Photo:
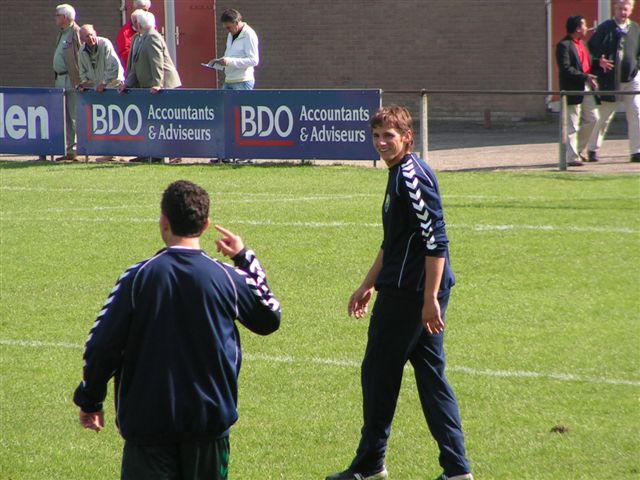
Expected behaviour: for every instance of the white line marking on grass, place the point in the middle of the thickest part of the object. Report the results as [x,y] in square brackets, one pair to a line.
[39,344]
[477,228]
[65,210]
[561,377]
[280,199]
[74,190]
[62,220]
[545,228]
[262,195]
[305,224]
[320,196]
[340,224]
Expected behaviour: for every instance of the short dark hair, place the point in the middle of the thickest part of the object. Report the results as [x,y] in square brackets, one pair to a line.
[186,206]
[573,23]
[231,15]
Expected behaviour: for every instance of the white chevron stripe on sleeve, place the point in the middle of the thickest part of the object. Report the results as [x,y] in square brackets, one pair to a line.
[256,279]
[418,204]
[424,216]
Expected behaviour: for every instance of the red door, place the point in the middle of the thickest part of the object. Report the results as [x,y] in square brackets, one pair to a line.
[196,42]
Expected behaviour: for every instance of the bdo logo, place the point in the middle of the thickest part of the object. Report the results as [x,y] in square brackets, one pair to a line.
[114,122]
[262,121]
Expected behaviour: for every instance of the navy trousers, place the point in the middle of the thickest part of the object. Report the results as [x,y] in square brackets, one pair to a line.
[397,335]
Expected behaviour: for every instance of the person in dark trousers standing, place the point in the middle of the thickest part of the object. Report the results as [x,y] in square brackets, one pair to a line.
[167,334]
[413,277]
[574,70]
[616,46]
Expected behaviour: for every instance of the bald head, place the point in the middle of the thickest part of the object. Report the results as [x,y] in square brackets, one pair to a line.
[88,35]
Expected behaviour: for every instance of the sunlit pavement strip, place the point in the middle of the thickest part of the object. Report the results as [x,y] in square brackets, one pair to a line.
[561,377]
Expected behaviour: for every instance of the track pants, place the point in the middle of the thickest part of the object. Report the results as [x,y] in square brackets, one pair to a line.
[396,335]
[201,460]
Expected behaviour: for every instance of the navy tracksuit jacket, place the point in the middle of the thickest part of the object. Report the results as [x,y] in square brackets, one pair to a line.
[167,333]
[413,223]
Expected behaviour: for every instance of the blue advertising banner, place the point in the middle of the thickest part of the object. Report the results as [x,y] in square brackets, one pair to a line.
[32,121]
[300,124]
[175,123]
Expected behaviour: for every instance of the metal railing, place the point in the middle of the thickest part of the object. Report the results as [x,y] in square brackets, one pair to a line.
[563,94]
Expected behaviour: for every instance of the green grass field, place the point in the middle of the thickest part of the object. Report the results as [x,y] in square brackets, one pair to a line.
[542,327]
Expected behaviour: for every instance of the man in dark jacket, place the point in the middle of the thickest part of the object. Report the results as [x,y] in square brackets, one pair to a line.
[413,277]
[574,68]
[167,334]
[616,46]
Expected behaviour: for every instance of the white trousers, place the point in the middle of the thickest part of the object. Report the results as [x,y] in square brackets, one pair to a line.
[607,109]
[578,135]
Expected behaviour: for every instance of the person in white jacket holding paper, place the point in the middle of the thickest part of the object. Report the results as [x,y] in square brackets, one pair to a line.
[241,54]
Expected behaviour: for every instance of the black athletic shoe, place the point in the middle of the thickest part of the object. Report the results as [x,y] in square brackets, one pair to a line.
[351,475]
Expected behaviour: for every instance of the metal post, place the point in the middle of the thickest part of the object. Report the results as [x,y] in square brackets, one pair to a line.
[170,29]
[424,127]
[562,151]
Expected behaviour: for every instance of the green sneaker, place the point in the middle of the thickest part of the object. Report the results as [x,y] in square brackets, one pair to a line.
[348,474]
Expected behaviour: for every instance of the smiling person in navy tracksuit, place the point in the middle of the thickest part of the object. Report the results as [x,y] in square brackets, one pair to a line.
[167,334]
[413,278]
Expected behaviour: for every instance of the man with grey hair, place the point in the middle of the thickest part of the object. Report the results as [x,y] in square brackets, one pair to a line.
[151,67]
[128,31]
[135,40]
[616,47]
[99,65]
[67,75]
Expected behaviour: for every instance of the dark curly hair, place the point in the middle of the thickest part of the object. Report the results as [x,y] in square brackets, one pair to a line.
[573,23]
[186,206]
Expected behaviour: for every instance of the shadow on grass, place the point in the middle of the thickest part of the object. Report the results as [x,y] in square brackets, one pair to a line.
[14,164]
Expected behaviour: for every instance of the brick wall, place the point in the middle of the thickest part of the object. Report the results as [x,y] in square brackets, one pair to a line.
[387,44]
[405,45]
[28,33]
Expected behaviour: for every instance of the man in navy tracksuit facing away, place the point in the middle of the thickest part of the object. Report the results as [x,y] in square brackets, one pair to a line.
[413,278]
[167,334]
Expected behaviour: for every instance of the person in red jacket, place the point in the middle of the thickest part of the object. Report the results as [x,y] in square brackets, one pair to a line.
[127,32]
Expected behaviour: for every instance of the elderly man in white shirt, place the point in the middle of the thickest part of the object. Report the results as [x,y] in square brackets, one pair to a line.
[99,64]
[241,54]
